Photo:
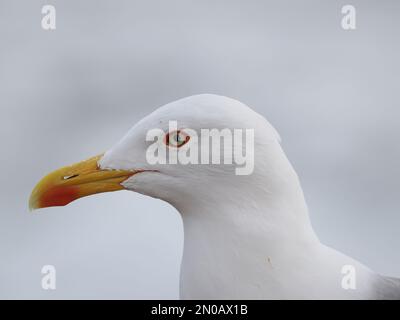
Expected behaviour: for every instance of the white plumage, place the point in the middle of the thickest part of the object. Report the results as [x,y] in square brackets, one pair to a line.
[245,237]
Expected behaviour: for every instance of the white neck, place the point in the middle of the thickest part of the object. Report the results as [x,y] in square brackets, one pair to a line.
[256,245]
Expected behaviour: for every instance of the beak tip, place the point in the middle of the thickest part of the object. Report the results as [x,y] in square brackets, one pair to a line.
[32,205]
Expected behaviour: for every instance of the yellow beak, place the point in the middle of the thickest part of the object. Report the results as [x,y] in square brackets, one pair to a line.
[76,181]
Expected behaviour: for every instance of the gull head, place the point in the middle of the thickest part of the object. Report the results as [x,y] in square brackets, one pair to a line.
[200,148]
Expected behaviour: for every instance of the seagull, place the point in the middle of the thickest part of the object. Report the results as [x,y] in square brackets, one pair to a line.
[245,236]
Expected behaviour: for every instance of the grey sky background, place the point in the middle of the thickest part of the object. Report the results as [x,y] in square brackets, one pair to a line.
[71,93]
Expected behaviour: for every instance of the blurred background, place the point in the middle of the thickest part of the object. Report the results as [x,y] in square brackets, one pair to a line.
[71,93]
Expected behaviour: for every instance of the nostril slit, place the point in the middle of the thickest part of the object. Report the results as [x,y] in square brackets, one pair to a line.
[70,176]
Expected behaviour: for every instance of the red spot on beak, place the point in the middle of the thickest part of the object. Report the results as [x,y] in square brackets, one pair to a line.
[59,196]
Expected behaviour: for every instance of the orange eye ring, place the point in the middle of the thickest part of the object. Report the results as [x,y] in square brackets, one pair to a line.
[176,138]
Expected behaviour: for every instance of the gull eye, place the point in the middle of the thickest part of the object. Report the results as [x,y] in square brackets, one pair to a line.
[176,138]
